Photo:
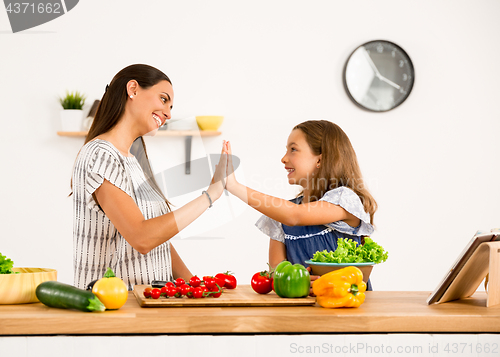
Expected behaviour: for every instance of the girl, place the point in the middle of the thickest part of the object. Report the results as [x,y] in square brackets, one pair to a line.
[121,218]
[333,203]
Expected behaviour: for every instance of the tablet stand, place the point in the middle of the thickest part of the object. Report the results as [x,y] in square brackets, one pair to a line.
[485,260]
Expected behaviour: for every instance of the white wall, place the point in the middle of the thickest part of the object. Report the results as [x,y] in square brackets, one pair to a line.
[431,163]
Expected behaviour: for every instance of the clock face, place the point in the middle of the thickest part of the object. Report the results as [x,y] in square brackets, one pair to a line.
[379,76]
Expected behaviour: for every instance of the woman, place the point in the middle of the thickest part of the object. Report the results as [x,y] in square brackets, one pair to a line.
[121,218]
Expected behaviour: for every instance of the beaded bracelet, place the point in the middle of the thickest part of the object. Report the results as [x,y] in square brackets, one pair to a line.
[206,193]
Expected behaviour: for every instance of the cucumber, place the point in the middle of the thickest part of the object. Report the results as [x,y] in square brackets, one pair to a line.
[64,296]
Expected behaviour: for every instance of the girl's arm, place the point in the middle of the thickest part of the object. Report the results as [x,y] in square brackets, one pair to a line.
[145,234]
[284,211]
[277,253]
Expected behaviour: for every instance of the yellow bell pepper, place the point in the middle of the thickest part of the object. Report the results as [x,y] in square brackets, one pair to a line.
[340,288]
[111,291]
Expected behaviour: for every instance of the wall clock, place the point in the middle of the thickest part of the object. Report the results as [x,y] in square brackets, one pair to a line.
[378,76]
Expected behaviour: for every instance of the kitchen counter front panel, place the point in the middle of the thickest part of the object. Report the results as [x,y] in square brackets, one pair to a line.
[382,312]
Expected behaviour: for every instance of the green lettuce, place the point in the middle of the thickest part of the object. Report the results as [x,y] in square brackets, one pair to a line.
[348,251]
[6,265]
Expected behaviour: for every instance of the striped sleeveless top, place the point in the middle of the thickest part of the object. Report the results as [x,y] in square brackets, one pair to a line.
[97,244]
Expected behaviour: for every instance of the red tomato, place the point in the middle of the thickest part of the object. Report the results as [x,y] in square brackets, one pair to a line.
[198,292]
[195,281]
[179,282]
[230,280]
[209,283]
[169,284]
[171,291]
[220,280]
[262,283]
[163,291]
[155,293]
[217,291]
[178,293]
[185,289]
[147,292]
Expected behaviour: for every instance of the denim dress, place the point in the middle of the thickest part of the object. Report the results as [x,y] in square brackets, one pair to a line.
[303,241]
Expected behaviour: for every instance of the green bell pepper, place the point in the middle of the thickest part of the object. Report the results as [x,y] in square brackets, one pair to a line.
[291,281]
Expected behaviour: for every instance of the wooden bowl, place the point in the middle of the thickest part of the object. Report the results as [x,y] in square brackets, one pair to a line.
[209,122]
[318,268]
[20,288]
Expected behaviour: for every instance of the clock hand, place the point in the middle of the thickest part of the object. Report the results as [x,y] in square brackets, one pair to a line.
[370,62]
[388,81]
[377,73]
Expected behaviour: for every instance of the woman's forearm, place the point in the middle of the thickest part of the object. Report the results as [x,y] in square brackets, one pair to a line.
[145,234]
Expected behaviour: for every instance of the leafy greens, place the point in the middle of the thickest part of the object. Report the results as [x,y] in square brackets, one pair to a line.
[348,251]
[6,265]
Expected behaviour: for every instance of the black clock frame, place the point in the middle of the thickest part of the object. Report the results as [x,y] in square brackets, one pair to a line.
[347,88]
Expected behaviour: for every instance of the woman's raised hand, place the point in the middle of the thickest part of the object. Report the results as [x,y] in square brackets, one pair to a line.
[219,179]
[231,178]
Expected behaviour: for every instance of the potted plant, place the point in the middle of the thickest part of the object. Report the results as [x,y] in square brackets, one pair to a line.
[72,113]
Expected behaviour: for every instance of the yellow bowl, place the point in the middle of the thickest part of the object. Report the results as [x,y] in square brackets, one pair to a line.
[209,122]
[20,288]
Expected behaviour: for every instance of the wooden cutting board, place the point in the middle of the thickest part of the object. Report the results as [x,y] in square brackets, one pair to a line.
[243,295]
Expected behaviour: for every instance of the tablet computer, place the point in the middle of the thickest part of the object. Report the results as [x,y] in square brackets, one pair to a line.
[457,266]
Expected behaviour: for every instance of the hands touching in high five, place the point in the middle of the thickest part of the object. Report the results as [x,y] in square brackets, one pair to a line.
[231,183]
[218,183]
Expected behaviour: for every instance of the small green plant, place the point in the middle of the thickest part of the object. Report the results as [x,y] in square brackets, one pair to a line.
[73,100]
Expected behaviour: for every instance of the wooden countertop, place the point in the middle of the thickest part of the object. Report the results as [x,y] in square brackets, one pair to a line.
[382,312]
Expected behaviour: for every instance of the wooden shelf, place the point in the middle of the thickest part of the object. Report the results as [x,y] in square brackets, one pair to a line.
[159,133]
[187,134]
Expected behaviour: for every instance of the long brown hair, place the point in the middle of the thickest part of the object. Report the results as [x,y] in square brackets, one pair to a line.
[112,107]
[339,165]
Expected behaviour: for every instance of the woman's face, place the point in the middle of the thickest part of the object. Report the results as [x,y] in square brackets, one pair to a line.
[152,106]
[299,160]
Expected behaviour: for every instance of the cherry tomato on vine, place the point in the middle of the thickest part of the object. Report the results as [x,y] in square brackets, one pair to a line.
[262,282]
[178,293]
[209,282]
[179,282]
[155,293]
[195,281]
[171,291]
[147,292]
[169,284]
[217,290]
[185,289]
[198,292]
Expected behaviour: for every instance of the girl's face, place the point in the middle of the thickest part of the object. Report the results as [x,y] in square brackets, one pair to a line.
[152,106]
[300,162]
